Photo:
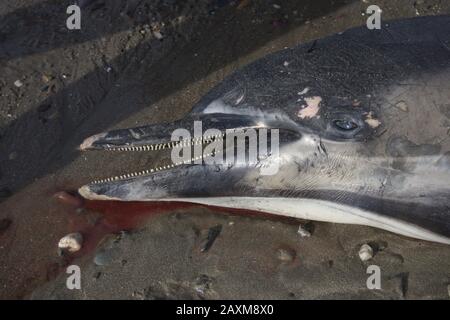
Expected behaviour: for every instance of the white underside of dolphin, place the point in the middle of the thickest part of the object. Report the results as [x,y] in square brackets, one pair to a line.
[319,210]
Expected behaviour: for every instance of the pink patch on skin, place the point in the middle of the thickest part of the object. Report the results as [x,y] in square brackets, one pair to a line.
[312,108]
[87,143]
[373,122]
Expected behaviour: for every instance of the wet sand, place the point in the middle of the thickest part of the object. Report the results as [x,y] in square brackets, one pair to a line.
[115,73]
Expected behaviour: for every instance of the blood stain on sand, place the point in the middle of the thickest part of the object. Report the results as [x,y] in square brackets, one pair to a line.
[109,217]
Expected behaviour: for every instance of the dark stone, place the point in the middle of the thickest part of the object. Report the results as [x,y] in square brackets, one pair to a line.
[213,233]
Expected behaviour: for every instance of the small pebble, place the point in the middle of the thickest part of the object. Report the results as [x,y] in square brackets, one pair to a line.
[213,233]
[286,63]
[286,255]
[71,242]
[303,232]
[105,257]
[18,83]
[402,106]
[158,35]
[276,6]
[365,253]
[46,78]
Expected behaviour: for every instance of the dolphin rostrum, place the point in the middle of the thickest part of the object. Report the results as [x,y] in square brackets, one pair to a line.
[352,128]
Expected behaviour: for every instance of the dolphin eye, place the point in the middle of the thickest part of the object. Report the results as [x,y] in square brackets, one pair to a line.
[345,125]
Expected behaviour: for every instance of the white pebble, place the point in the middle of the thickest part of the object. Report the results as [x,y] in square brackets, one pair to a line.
[366,252]
[303,232]
[18,83]
[286,63]
[158,35]
[71,242]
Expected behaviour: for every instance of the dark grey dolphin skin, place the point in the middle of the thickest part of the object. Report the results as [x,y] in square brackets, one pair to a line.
[363,122]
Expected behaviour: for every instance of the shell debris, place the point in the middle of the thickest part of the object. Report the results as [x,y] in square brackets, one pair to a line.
[365,252]
[71,242]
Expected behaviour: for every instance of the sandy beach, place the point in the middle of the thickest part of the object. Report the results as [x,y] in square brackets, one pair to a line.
[141,62]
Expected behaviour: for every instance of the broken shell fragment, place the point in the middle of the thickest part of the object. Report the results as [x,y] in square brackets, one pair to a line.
[365,252]
[71,242]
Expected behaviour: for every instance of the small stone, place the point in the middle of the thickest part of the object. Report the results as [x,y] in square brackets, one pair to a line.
[286,63]
[213,233]
[158,35]
[276,6]
[203,285]
[71,242]
[365,252]
[303,232]
[402,106]
[46,78]
[18,83]
[12,155]
[107,257]
[286,255]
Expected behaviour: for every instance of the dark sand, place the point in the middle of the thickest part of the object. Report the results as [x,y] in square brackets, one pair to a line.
[115,73]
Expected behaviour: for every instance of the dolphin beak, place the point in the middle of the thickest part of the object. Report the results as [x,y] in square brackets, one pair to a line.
[205,156]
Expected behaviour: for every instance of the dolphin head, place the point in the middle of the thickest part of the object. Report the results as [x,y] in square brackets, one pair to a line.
[352,132]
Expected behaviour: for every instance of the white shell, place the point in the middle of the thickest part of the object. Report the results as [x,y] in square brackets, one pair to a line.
[366,252]
[71,242]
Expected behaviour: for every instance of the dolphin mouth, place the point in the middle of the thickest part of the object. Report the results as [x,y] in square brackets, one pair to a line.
[204,169]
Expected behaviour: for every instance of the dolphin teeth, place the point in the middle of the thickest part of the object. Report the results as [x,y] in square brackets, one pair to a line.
[195,141]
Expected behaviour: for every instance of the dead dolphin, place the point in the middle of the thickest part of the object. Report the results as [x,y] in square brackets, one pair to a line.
[361,125]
